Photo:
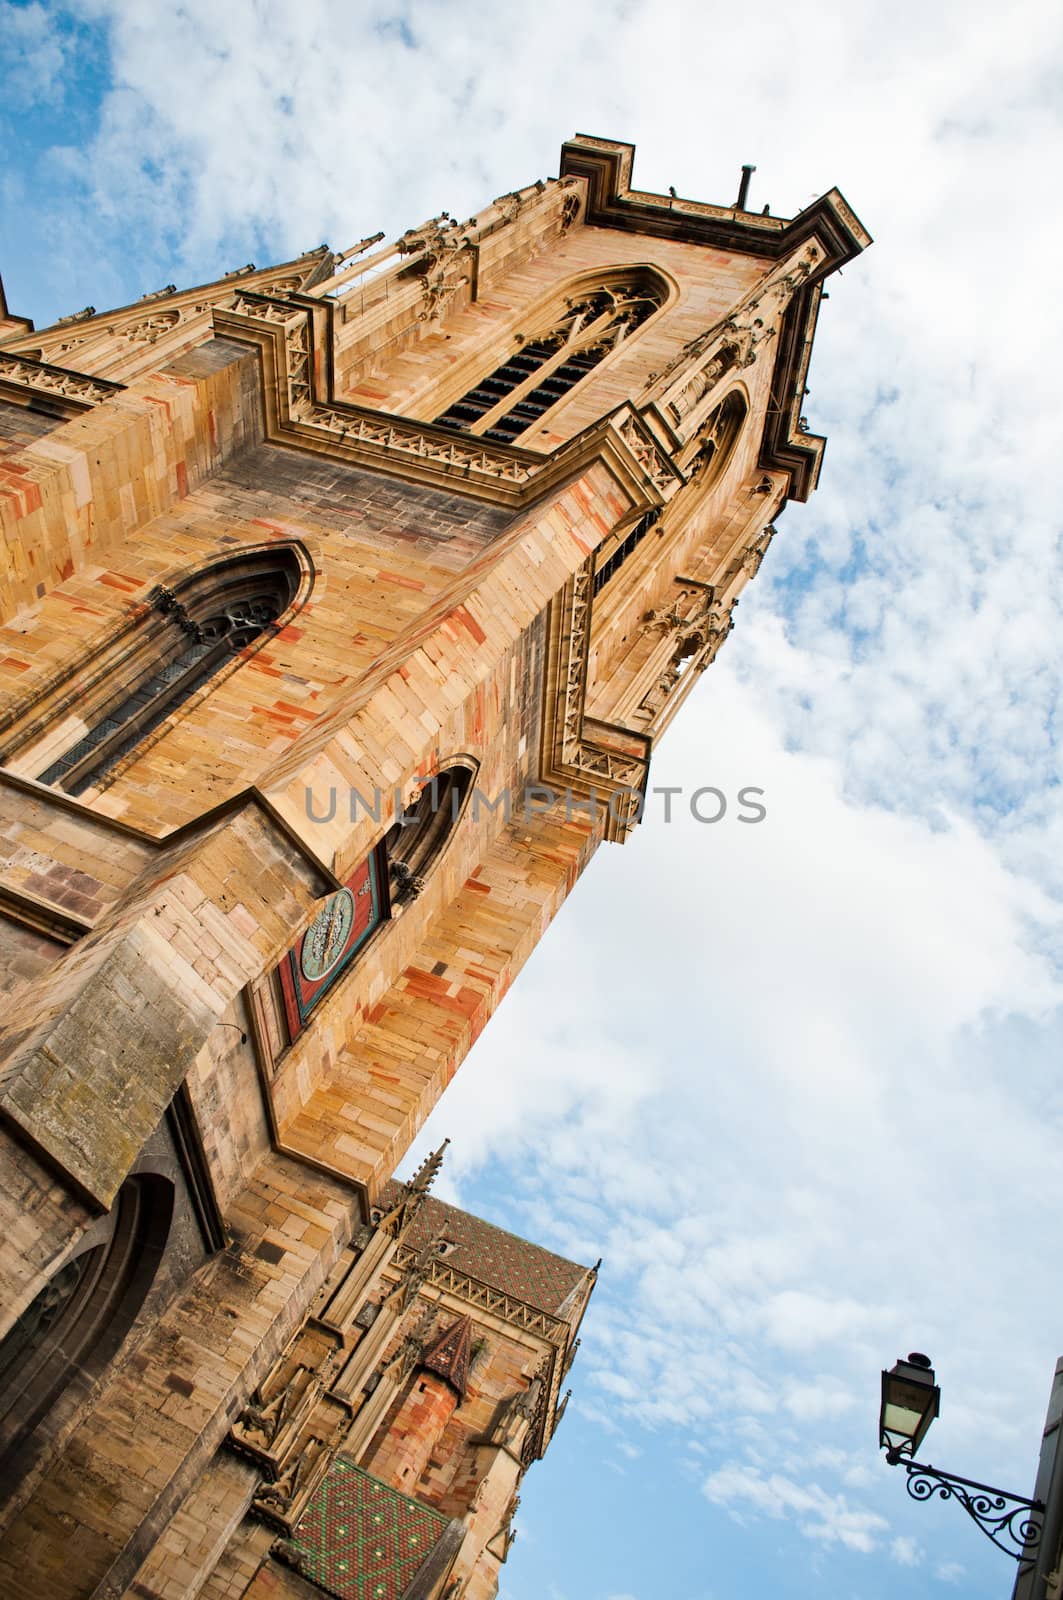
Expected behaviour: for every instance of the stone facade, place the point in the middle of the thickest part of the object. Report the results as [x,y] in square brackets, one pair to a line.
[342,606]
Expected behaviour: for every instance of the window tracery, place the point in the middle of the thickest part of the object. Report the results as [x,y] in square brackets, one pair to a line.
[718,435]
[195,630]
[543,369]
[626,547]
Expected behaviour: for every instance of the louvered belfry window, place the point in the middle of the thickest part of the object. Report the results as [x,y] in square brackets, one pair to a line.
[194,631]
[542,370]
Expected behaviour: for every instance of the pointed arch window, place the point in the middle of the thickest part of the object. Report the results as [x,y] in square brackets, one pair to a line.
[67,1335]
[194,629]
[625,548]
[394,872]
[718,435]
[543,369]
[413,842]
[716,442]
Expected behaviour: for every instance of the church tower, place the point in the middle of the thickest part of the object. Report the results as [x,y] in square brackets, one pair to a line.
[343,604]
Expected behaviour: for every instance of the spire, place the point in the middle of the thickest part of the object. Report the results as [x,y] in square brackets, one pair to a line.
[10,324]
[580,1293]
[428,1171]
[449,1353]
[410,1197]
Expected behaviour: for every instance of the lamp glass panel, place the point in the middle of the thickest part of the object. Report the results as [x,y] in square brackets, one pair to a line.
[902,1420]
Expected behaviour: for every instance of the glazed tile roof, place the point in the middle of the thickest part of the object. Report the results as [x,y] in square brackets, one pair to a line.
[448,1354]
[362,1540]
[513,1265]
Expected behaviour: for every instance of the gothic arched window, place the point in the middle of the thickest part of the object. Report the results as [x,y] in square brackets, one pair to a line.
[73,1327]
[412,844]
[718,434]
[543,368]
[193,630]
[393,873]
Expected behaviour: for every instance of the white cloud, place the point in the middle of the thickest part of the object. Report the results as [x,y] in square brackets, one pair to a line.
[817,1026]
[34,51]
[906,1551]
[823,1517]
[817,1399]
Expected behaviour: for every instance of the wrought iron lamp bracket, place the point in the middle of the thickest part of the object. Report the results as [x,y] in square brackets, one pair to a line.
[1013,1523]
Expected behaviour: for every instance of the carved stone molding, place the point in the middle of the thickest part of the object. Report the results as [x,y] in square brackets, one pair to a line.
[463,462]
[480,1296]
[432,239]
[756,552]
[37,377]
[294,334]
[696,625]
[266,1427]
[570,210]
[541,1400]
[596,761]
[306,1406]
[733,343]
[145,330]
[606,165]
[678,616]
[516,1413]
[658,467]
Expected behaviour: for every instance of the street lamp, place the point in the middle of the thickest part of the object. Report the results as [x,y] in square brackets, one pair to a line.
[910,1402]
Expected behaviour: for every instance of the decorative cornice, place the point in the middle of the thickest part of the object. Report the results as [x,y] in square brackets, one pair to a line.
[294,335]
[606,165]
[63,391]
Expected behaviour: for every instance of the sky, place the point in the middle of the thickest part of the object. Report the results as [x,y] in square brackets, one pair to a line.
[804,1098]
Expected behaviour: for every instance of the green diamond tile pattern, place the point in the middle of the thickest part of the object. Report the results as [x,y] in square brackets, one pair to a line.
[359,1539]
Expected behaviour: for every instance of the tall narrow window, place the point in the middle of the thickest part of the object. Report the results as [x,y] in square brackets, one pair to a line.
[718,435]
[413,842]
[627,547]
[542,369]
[67,1335]
[197,627]
[393,873]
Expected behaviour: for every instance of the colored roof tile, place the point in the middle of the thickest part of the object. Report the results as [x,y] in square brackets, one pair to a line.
[362,1540]
[506,1262]
[448,1354]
